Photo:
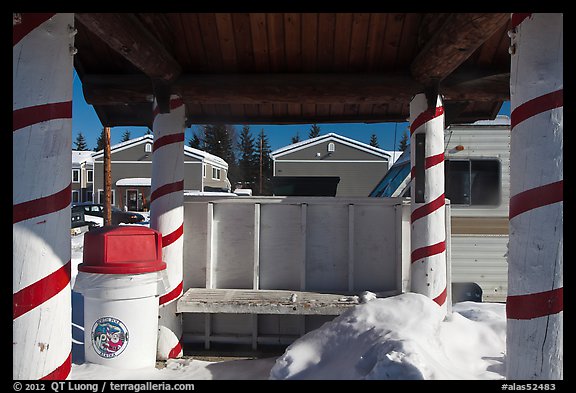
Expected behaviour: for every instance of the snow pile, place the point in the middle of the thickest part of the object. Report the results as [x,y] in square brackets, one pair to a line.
[401,337]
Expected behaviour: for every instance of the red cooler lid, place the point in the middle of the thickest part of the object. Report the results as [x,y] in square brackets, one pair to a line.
[122,249]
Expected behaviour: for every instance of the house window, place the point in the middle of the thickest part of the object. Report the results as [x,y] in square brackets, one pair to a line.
[203,170]
[331,147]
[101,197]
[148,148]
[75,196]
[473,182]
[89,175]
[216,173]
[75,175]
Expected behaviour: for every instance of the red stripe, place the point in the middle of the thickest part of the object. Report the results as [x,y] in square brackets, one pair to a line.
[517,18]
[29,23]
[168,139]
[174,103]
[173,294]
[535,106]
[62,371]
[428,208]
[36,114]
[172,237]
[440,299]
[425,116]
[535,305]
[174,352]
[535,198]
[428,251]
[166,189]
[37,293]
[429,162]
[45,205]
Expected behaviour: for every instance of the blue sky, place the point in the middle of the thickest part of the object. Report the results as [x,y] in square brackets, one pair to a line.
[85,120]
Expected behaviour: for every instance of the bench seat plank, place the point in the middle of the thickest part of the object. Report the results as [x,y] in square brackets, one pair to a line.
[263,301]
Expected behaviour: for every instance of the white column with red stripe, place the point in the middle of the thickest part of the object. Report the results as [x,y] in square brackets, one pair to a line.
[167,207]
[428,229]
[42,167]
[534,307]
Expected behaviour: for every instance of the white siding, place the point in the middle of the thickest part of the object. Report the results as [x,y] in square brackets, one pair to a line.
[482,259]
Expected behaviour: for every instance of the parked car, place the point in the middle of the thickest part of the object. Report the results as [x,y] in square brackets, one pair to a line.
[97,210]
[79,221]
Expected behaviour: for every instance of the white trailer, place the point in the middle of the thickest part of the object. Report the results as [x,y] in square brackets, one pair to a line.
[477,166]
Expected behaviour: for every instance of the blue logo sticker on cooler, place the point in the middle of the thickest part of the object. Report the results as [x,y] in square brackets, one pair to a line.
[109,337]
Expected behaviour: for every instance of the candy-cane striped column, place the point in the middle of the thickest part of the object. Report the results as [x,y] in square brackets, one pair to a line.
[167,206]
[42,167]
[534,307]
[428,228]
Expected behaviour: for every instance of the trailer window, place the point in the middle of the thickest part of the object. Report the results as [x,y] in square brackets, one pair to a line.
[473,182]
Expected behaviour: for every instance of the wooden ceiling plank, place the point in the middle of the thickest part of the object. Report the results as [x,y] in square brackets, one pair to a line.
[408,44]
[374,41]
[243,41]
[260,42]
[226,37]
[342,40]
[326,29]
[275,26]
[358,39]
[210,41]
[126,35]
[293,42]
[309,42]
[190,46]
[391,42]
[454,42]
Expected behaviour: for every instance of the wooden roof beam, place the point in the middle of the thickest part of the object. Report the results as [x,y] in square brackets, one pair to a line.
[125,34]
[454,42]
[284,88]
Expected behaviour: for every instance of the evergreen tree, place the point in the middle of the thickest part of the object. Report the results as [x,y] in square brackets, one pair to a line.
[296,138]
[80,142]
[265,162]
[248,162]
[220,140]
[403,144]
[374,140]
[125,136]
[314,131]
[101,141]
[196,142]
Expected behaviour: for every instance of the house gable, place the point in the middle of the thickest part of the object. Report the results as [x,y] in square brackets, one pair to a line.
[330,147]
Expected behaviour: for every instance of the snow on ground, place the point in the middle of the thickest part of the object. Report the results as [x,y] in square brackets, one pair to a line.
[402,337]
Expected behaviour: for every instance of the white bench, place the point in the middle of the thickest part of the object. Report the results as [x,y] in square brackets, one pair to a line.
[263,301]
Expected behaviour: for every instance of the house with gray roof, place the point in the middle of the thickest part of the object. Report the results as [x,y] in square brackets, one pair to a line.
[131,164]
[358,165]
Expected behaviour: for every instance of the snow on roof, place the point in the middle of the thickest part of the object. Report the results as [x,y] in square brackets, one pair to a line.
[135,182]
[331,136]
[81,156]
[190,151]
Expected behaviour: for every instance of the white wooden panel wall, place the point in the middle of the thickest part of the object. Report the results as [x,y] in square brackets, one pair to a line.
[314,244]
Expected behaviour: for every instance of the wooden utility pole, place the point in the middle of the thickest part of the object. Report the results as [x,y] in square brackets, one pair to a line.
[107,178]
